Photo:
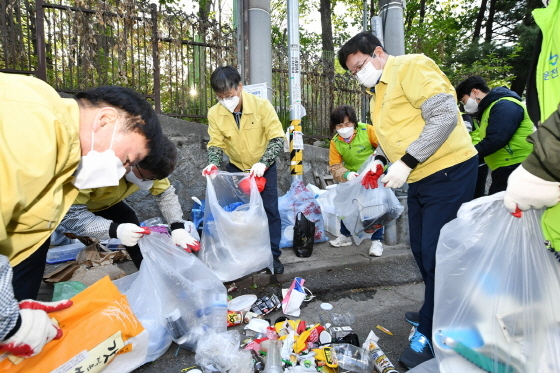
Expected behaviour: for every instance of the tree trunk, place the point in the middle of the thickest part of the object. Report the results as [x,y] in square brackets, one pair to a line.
[479,19]
[422,11]
[490,21]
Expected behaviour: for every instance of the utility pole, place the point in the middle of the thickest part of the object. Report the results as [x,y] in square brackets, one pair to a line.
[365,99]
[294,67]
[392,13]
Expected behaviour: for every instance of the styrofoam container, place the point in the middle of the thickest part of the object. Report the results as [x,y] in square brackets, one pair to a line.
[64,253]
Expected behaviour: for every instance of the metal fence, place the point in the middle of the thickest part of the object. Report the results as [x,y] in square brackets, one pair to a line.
[166,55]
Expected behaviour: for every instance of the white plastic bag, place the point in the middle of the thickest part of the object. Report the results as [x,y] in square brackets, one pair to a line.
[496,292]
[175,296]
[360,209]
[235,239]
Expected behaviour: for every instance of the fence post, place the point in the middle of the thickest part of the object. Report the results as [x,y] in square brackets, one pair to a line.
[40,33]
[155,57]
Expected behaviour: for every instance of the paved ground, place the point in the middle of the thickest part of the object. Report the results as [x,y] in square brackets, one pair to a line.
[376,290]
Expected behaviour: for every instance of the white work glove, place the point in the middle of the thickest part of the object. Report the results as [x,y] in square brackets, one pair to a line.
[397,174]
[210,170]
[352,175]
[527,191]
[258,169]
[184,240]
[129,233]
[36,330]
[372,166]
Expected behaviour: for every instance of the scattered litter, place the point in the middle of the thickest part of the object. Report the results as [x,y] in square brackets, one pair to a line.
[326,306]
[384,330]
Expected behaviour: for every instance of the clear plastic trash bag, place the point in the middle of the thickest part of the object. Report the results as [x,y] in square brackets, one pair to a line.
[362,210]
[497,307]
[235,239]
[299,199]
[175,296]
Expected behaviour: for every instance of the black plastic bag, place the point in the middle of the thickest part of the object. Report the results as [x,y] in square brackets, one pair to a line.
[304,236]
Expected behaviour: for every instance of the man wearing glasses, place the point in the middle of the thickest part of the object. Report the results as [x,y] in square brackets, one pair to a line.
[420,132]
[103,214]
[248,130]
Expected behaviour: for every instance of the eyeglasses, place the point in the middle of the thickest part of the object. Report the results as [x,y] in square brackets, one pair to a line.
[230,96]
[360,66]
[142,177]
[345,124]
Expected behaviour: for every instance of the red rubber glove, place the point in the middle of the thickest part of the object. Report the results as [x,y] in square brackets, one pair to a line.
[369,180]
[36,330]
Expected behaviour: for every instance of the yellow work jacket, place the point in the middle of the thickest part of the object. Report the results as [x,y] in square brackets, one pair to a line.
[102,198]
[39,152]
[258,125]
[406,83]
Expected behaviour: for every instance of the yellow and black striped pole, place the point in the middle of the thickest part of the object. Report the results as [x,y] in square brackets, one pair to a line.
[296,149]
[296,133]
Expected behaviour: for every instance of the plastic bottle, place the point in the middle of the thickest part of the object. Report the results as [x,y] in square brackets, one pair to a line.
[273,356]
[177,326]
[218,320]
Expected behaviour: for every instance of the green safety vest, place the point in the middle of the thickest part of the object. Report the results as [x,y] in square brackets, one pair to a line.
[475,133]
[548,65]
[518,147]
[355,153]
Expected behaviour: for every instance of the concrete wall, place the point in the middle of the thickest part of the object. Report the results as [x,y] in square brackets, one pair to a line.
[191,139]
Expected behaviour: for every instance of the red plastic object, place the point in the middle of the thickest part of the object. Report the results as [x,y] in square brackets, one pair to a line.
[145,230]
[245,185]
[370,179]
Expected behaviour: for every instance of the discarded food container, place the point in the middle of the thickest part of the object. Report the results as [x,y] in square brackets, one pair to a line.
[59,254]
[242,303]
[152,222]
[234,318]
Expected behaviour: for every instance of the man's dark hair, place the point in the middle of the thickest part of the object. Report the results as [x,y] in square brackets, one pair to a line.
[472,82]
[364,42]
[341,112]
[161,160]
[224,78]
[140,116]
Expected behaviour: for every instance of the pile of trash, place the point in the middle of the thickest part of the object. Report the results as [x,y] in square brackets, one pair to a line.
[290,345]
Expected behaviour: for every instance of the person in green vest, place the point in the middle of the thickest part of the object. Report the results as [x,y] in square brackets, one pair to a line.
[350,147]
[504,127]
[535,184]
[473,126]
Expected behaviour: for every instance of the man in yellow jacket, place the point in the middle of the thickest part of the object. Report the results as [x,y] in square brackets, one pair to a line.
[50,148]
[420,131]
[103,214]
[247,128]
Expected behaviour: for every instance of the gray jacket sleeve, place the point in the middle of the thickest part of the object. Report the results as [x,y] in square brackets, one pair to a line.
[9,307]
[544,161]
[169,206]
[82,222]
[440,114]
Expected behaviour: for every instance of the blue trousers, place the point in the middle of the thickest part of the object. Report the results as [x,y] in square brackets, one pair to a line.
[270,201]
[432,203]
[377,235]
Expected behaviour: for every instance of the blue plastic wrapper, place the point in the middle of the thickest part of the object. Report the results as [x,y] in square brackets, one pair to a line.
[299,199]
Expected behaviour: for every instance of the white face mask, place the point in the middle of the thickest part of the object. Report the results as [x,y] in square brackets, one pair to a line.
[97,170]
[230,103]
[471,106]
[368,76]
[142,184]
[346,132]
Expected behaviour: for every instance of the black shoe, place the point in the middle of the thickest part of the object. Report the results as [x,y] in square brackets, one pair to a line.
[277,266]
[419,351]
[412,318]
